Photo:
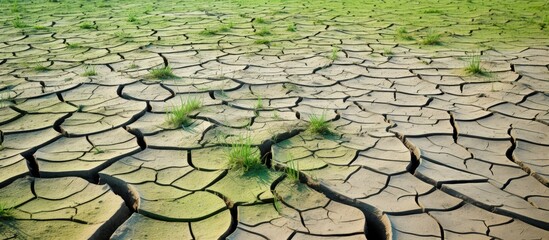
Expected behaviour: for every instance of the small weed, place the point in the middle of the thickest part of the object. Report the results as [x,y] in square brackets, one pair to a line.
[334,56]
[474,66]
[432,11]
[38,27]
[318,124]
[133,66]
[243,15]
[162,73]
[97,150]
[18,23]
[179,116]
[90,71]
[243,156]
[291,27]
[276,203]
[40,68]
[73,45]
[132,18]
[86,25]
[80,108]
[262,41]
[263,32]
[213,31]
[5,212]
[292,171]
[431,39]
[260,20]
[122,35]
[403,34]
[387,52]
[259,103]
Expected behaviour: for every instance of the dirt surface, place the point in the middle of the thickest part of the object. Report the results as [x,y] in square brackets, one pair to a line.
[436,117]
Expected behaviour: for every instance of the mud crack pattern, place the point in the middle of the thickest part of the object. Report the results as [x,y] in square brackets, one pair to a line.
[418,148]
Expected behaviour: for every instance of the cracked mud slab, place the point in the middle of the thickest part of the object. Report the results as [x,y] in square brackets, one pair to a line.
[417,147]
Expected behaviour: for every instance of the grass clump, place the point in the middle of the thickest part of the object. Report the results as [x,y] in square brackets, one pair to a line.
[41,68]
[86,25]
[73,45]
[262,41]
[318,124]
[213,31]
[162,73]
[333,56]
[387,52]
[179,116]
[292,171]
[39,27]
[431,39]
[18,23]
[132,18]
[473,67]
[259,103]
[90,71]
[403,34]
[263,32]
[243,156]
[260,20]
[291,27]
[5,212]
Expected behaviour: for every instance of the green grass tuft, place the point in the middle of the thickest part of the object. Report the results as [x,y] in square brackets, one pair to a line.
[292,171]
[243,156]
[263,32]
[5,212]
[259,103]
[334,56]
[73,45]
[40,68]
[403,34]
[162,73]
[262,41]
[86,25]
[260,20]
[318,124]
[431,39]
[291,27]
[39,27]
[90,71]
[473,67]
[18,23]
[179,115]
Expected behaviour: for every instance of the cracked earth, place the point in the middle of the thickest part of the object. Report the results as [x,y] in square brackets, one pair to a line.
[418,148]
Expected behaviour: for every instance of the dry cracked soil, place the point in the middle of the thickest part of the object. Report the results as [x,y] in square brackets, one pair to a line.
[435,116]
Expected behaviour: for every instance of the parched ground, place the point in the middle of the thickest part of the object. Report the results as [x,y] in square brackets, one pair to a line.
[421,144]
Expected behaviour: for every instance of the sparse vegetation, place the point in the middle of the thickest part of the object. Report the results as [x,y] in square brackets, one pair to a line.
[213,31]
[262,41]
[387,52]
[90,71]
[260,20]
[291,27]
[243,156]
[86,25]
[132,18]
[403,34]
[431,39]
[318,124]
[40,68]
[263,32]
[259,103]
[179,115]
[97,150]
[474,67]
[292,171]
[5,212]
[73,45]
[18,23]
[39,27]
[333,56]
[162,73]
